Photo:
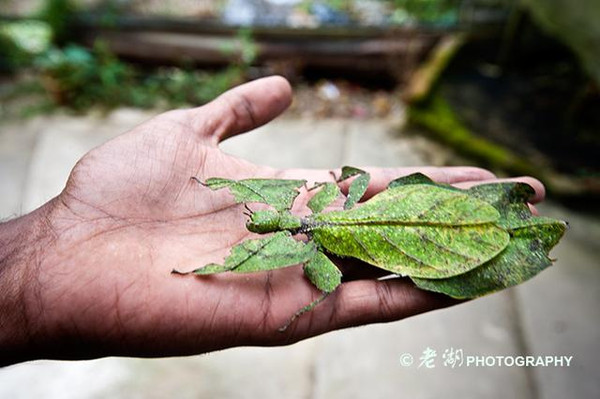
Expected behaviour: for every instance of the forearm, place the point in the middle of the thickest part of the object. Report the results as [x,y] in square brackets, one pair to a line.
[22,243]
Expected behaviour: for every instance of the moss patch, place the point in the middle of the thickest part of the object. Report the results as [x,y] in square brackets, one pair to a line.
[437,116]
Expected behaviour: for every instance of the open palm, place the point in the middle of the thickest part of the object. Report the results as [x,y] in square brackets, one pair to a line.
[130,214]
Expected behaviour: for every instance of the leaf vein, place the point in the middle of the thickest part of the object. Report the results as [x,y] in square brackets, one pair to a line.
[362,245]
[400,249]
[434,206]
[252,253]
[424,236]
[261,196]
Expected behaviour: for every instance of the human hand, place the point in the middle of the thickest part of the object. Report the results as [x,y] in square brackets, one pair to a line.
[96,279]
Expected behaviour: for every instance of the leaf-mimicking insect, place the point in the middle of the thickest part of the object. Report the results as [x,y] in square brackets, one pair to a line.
[462,243]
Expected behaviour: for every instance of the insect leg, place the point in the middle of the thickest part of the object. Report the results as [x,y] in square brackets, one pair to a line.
[303,310]
[321,271]
[250,211]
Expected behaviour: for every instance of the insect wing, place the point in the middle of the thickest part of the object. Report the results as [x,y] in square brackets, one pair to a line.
[417,230]
[278,193]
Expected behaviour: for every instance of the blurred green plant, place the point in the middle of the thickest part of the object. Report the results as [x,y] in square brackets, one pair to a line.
[79,78]
[178,86]
[242,49]
[338,5]
[11,55]
[440,120]
[437,12]
[419,12]
[59,15]
[20,42]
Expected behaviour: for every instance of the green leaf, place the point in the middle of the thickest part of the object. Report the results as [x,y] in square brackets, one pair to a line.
[418,230]
[510,199]
[324,197]
[356,190]
[278,193]
[273,252]
[349,171]
[500,194]
[415,178]
[532,238]
[525,256]
[418,204]
[321,271]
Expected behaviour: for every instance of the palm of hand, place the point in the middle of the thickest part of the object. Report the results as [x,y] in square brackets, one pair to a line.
[130,213]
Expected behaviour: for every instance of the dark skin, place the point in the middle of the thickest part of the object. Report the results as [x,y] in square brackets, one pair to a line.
[88,274]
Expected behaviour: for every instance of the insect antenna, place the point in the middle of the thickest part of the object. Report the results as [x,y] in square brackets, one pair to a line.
[197,180]
[332,173]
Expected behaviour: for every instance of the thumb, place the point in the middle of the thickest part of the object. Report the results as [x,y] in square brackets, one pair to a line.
[242,108]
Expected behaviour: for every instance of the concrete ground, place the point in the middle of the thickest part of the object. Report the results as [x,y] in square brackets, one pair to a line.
[555,314]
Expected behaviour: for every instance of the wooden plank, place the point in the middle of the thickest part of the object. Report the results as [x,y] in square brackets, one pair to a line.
[390,55]
[214,27]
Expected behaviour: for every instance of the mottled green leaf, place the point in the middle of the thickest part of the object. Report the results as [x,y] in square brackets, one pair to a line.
[510,199]
[349,171]
[418,230]
[415,178]
[423,251]
[502,193]
[273,252]
[525,256]
[321,271]
[416,204]
[532,237]
[278,193]
[357,189]
[327,193]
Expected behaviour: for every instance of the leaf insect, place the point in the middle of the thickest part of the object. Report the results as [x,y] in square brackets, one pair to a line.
[462,243]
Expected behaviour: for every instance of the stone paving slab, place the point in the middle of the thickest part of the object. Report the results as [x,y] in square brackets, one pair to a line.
[292,143]
[17,142]
[237,373]
[560,311]
[555,312]
[374,143]
[368,360]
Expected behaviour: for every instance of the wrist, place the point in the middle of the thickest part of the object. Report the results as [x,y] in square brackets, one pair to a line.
[23,242]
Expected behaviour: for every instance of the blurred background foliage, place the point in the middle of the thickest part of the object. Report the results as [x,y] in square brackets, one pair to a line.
[78,77]
[519,91]
[575,23]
